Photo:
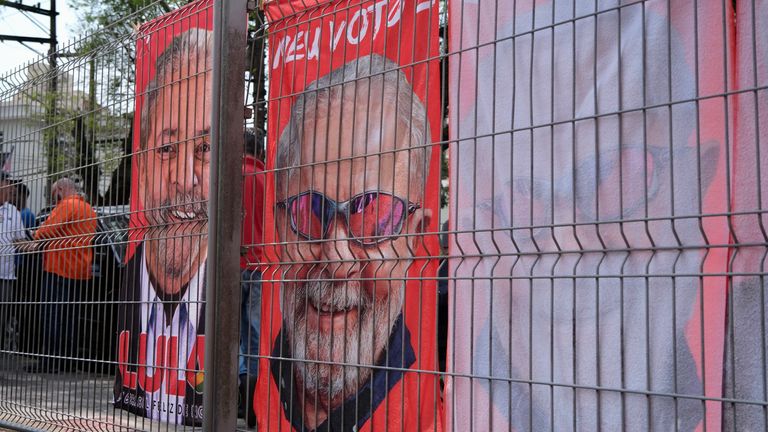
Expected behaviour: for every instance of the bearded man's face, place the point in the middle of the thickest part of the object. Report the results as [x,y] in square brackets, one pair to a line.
[347,219]
[174,176]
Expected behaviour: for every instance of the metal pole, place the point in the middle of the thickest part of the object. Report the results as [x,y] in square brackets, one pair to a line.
[52,50]
[52,29]
[224,209]
[52,102]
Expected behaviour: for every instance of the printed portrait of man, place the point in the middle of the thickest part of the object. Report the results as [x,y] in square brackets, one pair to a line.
[162,314]
[577,240]
[349,187]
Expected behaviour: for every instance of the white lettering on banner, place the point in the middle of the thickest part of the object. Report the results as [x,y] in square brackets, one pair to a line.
[394,13]
[362,28]
[377,12]
[335,39]
[295,49]
[423,5]
[314,50]
[306,43]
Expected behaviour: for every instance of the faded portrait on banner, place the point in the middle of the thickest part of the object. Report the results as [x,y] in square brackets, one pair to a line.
[588,187]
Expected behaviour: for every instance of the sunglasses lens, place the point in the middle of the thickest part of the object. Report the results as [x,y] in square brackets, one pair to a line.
[374,215]
[307,212]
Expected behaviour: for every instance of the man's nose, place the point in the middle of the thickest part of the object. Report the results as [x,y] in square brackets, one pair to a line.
[183,173]
[340,254]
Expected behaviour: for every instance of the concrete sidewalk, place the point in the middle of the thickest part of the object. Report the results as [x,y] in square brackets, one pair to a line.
[79,401]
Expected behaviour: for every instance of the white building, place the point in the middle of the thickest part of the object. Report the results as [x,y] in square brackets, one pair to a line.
[24,131]
[21,126]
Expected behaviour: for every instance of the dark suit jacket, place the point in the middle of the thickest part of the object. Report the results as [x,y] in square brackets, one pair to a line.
[129,319]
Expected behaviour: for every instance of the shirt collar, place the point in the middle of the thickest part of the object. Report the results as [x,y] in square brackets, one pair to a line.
[73,197]
[190,300]
[356,410]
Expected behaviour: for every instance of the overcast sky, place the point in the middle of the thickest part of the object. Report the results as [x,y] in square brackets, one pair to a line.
[16,22]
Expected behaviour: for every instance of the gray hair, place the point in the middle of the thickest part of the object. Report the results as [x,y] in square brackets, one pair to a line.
[195,44]
[374,71]
[67,186]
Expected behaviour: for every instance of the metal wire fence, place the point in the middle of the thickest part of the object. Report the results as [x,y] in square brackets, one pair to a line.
[65,123]
[390,215]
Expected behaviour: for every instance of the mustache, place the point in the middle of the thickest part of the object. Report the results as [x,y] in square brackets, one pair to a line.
[188,206]
[329,296]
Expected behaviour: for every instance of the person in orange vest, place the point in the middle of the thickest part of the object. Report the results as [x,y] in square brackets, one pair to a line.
[66,237]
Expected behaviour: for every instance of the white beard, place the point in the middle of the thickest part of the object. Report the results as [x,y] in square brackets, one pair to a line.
[360,345]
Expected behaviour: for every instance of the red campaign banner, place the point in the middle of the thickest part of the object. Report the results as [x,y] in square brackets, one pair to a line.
[161,328]
[349,300]
[589,257]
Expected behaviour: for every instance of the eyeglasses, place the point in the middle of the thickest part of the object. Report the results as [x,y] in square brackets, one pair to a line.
[370,217]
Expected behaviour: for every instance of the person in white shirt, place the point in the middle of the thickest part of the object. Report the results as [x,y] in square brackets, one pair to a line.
[11,231]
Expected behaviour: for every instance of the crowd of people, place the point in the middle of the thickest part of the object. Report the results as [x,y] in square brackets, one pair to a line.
[64,239]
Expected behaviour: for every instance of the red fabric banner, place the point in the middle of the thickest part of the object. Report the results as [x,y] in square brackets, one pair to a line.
[154,37]
[161,317]
[349,300]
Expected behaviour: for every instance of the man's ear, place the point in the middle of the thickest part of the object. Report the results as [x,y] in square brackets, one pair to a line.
[419,224]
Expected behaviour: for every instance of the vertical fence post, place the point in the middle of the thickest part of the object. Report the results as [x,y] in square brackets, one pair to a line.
[224,209]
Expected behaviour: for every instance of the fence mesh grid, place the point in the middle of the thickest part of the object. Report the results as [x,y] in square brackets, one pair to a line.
[459,215]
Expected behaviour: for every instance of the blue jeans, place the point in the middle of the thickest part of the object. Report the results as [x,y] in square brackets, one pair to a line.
[60,317]
[250,322]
